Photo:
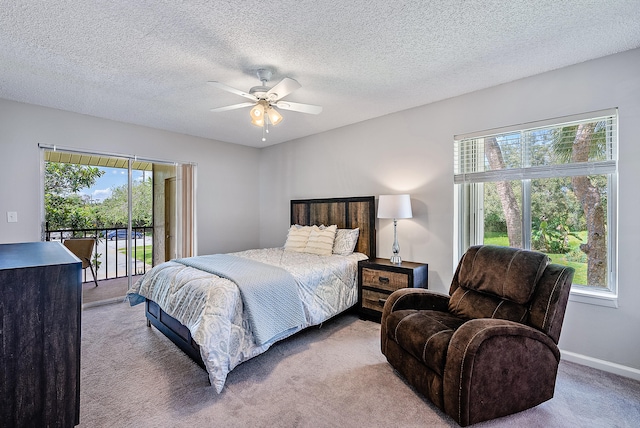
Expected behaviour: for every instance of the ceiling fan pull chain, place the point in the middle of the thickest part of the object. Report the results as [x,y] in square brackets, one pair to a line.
[264,127]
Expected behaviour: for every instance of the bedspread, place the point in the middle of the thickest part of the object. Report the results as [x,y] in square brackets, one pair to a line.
[211,307]
[269,293]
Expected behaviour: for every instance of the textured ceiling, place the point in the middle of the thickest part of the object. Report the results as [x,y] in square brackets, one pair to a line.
[147,62]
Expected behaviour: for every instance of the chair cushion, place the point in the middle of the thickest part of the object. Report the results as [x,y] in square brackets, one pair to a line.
[470,304]
[509,273]
[423,334]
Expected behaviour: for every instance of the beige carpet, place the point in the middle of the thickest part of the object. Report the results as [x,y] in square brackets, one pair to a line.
[335,376]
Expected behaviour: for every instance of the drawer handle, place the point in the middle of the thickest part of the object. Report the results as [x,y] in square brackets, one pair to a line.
[381,302]
[383,280]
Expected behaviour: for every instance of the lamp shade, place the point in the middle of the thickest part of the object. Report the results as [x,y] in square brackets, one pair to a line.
[274,116]
[394,206]
[257,115]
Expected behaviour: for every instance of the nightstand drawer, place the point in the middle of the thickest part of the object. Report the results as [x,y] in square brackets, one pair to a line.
[373,299]
[384,280]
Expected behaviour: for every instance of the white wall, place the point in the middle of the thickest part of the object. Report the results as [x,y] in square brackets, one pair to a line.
[412,151]
[227,174]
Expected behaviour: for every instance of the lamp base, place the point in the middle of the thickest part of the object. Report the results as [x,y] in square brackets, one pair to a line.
[395,248]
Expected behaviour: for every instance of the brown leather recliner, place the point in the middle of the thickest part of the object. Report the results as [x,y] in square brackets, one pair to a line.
[489,349]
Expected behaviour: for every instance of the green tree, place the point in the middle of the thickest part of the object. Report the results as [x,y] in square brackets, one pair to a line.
[560,206]
[589,142]
[113,212]
[64,208]
[508,200]
[554,214]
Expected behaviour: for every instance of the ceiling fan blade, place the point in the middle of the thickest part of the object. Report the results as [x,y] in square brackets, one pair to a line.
[302,108]
[232,90]
[231,107]
[283,88]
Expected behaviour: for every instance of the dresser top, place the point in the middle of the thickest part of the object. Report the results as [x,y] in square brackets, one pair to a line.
[33,254]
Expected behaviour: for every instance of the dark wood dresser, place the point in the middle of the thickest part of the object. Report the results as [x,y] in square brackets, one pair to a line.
[40,305]
[378,278]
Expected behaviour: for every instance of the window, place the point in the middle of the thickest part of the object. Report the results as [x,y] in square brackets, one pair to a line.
[548,186]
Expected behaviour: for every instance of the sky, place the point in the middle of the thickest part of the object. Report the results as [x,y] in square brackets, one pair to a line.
[112,178]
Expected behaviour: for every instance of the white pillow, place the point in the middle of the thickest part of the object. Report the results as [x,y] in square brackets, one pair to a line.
[297,238]
[321,240]
[345,242]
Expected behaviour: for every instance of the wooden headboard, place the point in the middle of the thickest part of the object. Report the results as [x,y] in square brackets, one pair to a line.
[346,213]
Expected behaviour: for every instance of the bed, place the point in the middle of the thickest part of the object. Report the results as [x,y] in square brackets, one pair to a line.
[205,305]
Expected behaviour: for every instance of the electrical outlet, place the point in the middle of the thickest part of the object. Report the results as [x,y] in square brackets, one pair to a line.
[12,217]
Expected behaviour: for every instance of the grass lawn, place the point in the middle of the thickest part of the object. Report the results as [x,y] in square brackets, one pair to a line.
[580,277]
[144,253]
[496,238]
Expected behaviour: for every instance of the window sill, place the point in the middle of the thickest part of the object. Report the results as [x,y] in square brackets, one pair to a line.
[599,298]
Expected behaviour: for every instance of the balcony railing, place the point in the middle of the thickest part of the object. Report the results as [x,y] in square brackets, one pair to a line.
[110,251]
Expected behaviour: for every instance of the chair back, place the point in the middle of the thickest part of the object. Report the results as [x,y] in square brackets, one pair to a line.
[512,284]
[82,248]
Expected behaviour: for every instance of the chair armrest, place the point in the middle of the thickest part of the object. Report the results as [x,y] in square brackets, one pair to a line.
[410,298]
[415,298]
[497,367]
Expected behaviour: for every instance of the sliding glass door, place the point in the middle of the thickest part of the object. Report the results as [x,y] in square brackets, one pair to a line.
[138,212]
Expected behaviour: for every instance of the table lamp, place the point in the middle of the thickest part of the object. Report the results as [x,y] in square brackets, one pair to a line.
[395,207]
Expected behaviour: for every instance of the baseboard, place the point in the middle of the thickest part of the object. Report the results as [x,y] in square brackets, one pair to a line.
[603,365]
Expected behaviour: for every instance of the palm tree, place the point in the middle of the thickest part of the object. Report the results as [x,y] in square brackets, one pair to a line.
[588,142]
[571,144]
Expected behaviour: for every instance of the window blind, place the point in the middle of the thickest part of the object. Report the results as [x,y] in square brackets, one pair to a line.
[564,147]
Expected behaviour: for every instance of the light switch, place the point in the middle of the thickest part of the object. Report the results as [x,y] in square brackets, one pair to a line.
[12,217]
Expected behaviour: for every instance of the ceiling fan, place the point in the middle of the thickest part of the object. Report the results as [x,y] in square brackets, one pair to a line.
[266,101]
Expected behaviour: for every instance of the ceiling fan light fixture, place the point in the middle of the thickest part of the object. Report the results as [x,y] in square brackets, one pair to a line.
[274,116]
[257,115]
[265,100]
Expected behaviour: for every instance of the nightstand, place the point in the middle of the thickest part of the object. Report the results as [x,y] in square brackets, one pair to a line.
[378,278]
